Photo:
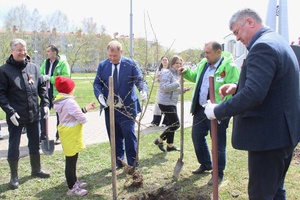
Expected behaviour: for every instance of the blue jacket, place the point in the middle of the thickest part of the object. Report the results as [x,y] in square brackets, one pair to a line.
[130,79]
[266,106]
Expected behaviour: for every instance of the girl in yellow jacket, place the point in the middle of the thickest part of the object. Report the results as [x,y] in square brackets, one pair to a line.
[71,118]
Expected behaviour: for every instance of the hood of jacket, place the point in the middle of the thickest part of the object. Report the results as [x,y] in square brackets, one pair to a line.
[60,101]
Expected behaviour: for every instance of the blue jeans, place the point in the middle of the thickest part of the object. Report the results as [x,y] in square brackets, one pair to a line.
[201,126]
[267,170]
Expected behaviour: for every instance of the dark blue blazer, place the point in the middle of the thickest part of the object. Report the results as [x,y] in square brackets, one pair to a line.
[266,106]
[130,78]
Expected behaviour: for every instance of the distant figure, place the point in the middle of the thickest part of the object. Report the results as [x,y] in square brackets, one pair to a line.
[157,114]
[21,89]
[70,127]
[53,66]
[265,105]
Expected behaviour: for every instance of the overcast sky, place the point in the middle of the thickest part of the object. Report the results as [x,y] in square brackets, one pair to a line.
[188,23]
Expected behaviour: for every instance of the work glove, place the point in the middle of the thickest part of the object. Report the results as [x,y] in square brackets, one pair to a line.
[47,112]
[46,78]
[14,118]
[209,110]
[143,95]
[102,101]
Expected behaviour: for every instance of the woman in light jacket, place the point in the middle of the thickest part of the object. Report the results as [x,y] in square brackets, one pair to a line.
[169,90]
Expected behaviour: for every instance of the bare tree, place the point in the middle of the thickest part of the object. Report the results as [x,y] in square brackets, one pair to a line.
[57,20]
[18,17]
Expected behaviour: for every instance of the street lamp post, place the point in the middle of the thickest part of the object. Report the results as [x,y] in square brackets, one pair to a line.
[131,34]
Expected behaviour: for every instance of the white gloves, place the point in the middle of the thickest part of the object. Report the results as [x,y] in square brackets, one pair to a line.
[47,112]
[14,118]
[143,95]
[209,110]
[46,78]
[102,101]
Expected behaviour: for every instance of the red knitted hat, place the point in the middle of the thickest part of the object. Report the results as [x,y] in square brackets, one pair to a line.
[64,84]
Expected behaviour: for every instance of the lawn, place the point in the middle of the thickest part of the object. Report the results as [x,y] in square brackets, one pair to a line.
[156,169]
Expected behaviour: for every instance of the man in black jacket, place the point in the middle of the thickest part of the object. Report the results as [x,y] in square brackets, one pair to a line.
[21,86]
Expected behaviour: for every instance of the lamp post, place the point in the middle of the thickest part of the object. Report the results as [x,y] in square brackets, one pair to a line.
[131,34]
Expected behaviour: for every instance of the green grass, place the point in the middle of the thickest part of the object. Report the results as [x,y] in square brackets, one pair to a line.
[155,167]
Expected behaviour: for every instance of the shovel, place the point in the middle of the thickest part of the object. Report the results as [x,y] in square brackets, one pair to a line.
[47,145]
[179,163]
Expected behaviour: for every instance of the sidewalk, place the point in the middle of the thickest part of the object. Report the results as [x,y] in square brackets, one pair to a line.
[94,130]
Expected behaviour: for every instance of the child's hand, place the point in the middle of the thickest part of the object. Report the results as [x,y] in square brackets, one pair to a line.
[91,106]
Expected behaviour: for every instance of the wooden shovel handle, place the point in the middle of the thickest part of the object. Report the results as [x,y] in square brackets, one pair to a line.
[214,140]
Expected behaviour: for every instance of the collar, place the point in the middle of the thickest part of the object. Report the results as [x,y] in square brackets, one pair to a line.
[256,36]
[216,65]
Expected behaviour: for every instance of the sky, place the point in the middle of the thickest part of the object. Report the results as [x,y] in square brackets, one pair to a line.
[177,24]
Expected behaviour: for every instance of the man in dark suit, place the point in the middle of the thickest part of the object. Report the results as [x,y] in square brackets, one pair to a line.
[265,105]
[128,76]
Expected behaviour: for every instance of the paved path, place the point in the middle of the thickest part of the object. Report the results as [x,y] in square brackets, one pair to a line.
[94,130]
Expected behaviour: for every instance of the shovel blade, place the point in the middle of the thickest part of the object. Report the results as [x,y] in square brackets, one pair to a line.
[178,168]
[47,146]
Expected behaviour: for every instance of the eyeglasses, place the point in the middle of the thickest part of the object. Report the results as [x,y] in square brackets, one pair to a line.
[164,59]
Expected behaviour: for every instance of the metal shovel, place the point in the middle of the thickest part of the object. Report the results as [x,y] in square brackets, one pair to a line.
[180,163]
[47,145]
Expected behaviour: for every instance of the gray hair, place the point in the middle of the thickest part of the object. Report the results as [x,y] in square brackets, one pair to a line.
[15,42]
[242,15]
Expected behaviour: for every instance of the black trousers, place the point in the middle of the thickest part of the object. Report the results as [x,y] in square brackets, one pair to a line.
[70,170]
[267,170]
[171,114]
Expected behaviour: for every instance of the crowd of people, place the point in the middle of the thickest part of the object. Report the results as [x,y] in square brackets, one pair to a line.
[262,98]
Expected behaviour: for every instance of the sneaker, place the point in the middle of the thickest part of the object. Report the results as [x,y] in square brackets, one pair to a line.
[57,141]
[81,184]
[76,191]
[163,125]
[1,135]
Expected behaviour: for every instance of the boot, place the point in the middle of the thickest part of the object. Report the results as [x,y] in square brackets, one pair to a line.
[36,170]
[14,181]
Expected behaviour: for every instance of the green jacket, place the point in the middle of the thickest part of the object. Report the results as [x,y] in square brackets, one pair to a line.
[61,68]
[227,72]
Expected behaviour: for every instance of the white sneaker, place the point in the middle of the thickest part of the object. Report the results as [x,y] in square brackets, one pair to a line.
[1,135]
[81,184]
[76,191]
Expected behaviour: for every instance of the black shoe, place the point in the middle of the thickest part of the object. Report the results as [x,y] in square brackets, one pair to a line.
[173,148]
[211,182]
[201,170]
[160,145]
